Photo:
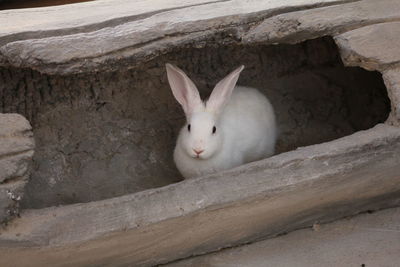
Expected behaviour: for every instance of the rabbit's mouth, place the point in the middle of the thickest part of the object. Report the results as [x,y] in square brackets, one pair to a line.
[198,157]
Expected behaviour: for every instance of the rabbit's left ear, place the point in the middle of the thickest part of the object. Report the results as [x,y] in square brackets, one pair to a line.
[184,90]
[223,91]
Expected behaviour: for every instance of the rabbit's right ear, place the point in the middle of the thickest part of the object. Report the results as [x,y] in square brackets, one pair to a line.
[223,91]
[183,89]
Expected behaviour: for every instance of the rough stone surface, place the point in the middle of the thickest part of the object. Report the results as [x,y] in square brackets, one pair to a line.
[68,19]
[16,151]
[140,38]
[286,192]
[392,81]
[297,26]
[364,240]
[131,118]
[374,47]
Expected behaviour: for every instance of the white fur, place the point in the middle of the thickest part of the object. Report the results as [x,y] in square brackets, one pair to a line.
[245,129]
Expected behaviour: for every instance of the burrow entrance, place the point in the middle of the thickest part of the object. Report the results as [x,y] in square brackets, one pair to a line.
[104,135]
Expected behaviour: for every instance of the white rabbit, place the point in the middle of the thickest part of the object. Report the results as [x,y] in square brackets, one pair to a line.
[231,128]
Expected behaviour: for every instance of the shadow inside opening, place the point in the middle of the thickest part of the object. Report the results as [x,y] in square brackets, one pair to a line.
[104,135]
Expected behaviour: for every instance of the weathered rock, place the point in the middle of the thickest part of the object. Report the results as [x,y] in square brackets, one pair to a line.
[138,32]
[374,47]
[11,194]
[392,81]
[16,151]
[139,37]
[289,191]
[67,19]
[298,26]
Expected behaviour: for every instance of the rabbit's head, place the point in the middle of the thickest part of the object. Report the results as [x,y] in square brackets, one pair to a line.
[201,137]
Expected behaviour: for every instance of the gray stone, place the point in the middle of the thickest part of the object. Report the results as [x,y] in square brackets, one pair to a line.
[16,151]
[14,166]
[16,146]
[140,37]
[298,26]
[293,190]
[374,47]
[364,240]
[13,125]
[67,19]
[392,81]
[11,194]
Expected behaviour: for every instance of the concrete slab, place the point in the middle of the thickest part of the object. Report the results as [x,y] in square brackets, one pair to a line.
[364,240]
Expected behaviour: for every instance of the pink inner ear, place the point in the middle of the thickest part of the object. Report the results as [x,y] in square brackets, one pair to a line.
[183,89]
[223,91]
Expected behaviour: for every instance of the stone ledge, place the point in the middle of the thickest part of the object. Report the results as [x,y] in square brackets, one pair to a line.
[146,35]
[392,80]
[140,38]
[286,192]
[295,27]
[14,125]
[374,47]
[20,24]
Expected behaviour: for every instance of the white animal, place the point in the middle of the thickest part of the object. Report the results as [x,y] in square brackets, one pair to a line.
[231,128]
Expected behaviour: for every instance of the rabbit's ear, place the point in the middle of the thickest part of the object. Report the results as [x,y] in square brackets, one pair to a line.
[223,91]
[183,89]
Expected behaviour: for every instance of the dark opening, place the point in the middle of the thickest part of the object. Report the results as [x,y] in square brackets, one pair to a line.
[17,4]
[103,135]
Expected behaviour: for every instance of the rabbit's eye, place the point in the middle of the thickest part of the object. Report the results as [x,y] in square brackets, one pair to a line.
[214,129]
[188,127]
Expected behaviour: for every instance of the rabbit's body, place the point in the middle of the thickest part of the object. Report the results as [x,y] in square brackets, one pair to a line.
[233,127]
[248,127]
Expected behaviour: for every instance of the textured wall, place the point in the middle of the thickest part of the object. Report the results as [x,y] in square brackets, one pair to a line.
[16,150]
[108,134]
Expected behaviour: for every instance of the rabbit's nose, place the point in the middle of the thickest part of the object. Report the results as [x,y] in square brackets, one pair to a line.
[198,151]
